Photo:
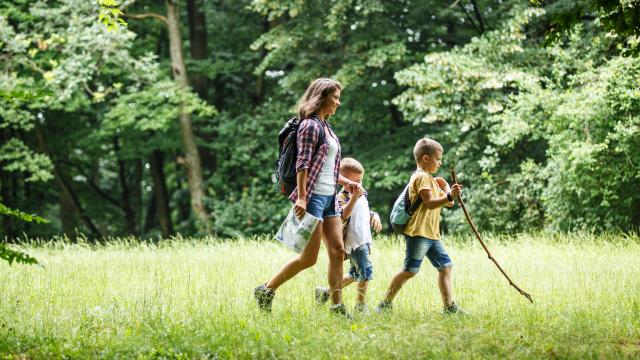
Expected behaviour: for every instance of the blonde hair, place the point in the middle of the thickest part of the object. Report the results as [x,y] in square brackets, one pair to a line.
[351,164]
[425,146]
[315,95]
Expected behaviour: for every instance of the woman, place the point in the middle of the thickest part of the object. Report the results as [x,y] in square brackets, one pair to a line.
[317,168]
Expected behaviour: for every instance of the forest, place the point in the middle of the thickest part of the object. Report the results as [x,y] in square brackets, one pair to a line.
[151,119]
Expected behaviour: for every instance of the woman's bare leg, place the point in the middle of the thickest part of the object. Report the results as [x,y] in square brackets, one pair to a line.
[332,237]
[307,259]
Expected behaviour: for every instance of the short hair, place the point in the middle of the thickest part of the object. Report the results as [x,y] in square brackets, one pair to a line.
[351,164]
[425,146]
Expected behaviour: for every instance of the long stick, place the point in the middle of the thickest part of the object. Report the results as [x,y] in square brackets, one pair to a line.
[475,231]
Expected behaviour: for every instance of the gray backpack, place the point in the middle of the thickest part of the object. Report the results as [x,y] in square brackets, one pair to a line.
[402,210]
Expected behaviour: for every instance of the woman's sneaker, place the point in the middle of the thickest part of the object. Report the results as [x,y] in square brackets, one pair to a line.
[322,295]
[340,309]
[384,307]
[264,297]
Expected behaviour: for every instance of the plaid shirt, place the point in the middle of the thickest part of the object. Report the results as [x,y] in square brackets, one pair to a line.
[307,138]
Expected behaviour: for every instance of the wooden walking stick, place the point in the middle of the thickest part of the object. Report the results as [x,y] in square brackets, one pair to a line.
[475,231]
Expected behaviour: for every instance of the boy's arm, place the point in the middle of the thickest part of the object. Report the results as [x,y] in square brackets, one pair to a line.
[374,218]
[444,185]
[432,201]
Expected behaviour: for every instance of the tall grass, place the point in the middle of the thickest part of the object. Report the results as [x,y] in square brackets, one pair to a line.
[187,298]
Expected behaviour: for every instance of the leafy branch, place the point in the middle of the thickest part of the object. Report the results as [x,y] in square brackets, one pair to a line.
[22,215]
[17,256]
[14,255]
[110,15]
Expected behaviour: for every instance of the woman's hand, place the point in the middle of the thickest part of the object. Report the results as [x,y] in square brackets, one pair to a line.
[300,207]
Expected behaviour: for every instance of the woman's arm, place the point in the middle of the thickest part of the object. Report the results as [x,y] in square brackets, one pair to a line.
[301,201]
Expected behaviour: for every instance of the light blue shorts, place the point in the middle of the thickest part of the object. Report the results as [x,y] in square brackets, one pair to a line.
[322,206]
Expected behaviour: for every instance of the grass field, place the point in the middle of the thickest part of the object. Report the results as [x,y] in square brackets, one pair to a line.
[193,299]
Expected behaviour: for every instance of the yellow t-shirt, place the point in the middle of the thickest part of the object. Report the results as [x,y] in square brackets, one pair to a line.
[424,222]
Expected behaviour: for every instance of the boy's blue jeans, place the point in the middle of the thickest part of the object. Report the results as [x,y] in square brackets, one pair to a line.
[361,267]
[417,247]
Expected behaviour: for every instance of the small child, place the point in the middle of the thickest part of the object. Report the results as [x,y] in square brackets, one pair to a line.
[422,232]
[357,221]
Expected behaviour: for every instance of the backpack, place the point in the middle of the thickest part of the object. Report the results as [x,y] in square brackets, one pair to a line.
[402,210]
[288,153]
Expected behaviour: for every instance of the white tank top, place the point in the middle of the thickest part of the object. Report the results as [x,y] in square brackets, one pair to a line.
[326,184]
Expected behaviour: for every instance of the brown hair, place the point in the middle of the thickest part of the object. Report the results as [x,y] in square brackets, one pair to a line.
[314,96]
[351,164]
[425,146]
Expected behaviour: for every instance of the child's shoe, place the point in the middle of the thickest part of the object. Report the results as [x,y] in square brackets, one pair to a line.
[264,297]
[384,307]
[361,308]
[340,309]
[322,295]
[453,309]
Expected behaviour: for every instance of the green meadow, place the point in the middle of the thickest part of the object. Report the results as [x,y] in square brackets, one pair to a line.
[193,299]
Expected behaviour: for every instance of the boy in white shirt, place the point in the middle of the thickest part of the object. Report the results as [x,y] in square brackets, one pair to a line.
[357,221]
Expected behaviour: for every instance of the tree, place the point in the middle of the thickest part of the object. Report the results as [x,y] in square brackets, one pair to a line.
[191,160]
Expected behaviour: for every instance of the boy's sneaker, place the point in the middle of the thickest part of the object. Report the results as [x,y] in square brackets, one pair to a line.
[384,307]
[361,308]
[322,295]
[264,297]
[453,309]
[340,309]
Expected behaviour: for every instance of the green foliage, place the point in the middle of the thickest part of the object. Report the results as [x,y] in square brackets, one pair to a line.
[620,18]
[110,15]
[21,215]
[536,130]
[16,156]
[11,256]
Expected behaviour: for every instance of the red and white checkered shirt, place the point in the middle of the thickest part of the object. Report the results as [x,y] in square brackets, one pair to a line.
[308,136]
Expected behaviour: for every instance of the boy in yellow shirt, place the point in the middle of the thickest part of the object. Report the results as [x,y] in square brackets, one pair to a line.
[422,232]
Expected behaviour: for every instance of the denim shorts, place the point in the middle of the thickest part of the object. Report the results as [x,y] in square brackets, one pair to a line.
[322,206]
[361,267]
[417,247]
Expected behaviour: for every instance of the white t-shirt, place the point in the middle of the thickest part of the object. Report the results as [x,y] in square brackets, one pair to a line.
[359,227]
[326,184]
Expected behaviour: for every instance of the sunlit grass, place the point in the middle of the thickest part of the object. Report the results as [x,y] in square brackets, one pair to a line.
[193,299]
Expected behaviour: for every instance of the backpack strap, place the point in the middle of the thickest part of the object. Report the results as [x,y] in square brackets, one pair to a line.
[322,136]
[409,207]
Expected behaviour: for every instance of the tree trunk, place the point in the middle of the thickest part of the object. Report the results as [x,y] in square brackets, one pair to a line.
[160,193]
[66,187]
[199,81]
[478,14]
[198,41]
[259,91]
[125,197]
[136,194]
[67,215]
[192,159]
[150,221]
